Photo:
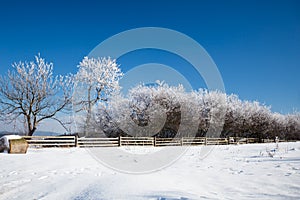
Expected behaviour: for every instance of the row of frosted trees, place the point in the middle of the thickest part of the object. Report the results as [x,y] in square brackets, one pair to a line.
[171,112]
[30,94]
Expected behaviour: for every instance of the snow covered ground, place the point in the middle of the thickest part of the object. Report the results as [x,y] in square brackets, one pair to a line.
[252,171]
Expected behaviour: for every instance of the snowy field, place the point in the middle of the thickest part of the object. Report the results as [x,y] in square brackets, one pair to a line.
[253,171]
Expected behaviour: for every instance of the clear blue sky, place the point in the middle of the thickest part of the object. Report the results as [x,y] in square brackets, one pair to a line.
[255,44]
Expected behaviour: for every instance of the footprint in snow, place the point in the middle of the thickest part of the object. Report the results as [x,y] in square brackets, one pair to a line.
[53,172]
[16,183]
[13,173]
[98,174]
[288,174]
[43,177]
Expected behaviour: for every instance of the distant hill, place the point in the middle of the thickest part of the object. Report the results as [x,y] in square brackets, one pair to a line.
[6,133]
[37,133]
[46,133]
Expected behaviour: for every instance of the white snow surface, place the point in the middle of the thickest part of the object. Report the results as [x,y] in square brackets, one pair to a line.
[252,171]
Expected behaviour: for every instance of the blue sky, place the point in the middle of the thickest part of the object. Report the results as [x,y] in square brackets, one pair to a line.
[255,44]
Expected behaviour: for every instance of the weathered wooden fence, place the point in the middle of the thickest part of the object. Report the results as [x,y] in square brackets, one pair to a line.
[51,141]
[97,142]
[73,141]
[138,141]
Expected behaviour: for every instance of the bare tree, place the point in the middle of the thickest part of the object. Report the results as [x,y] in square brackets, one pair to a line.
[30,92]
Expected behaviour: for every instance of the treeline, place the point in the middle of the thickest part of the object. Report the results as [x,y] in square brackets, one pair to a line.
[167,111]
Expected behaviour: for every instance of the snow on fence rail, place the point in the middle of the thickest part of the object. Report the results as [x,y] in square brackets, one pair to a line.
[194,141]
[73,141]
[97,142]
[168,141]
[50,141]
[216,141]
[139,141]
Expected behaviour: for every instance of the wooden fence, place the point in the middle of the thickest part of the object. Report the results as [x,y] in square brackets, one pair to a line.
[51,141]
[137,141]
[97,142]
[73,141]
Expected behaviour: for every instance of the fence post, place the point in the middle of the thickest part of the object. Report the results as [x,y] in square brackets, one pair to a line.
[205,140]
[154,141]
[120,141]
[76,140]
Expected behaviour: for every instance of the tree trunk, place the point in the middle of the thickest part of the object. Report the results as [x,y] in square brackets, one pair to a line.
[89,111]
[30,133]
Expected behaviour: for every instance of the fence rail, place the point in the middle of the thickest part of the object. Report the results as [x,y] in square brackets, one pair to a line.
[168,141]
[194,141]
[97,142]
[51,141]
[73,141]
[137,141]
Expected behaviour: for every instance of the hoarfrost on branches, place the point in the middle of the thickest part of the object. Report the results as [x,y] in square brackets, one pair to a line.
[96,80]
[210,111]
[31,93]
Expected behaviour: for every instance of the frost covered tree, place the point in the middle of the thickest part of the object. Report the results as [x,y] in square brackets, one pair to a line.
[31,93]
[258,119]
[146,111]
[278,124]
[215,108]
[96,80]
[210,111]
[159,105]
[235,117]
[164,111]
[292,128]
[142,113]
